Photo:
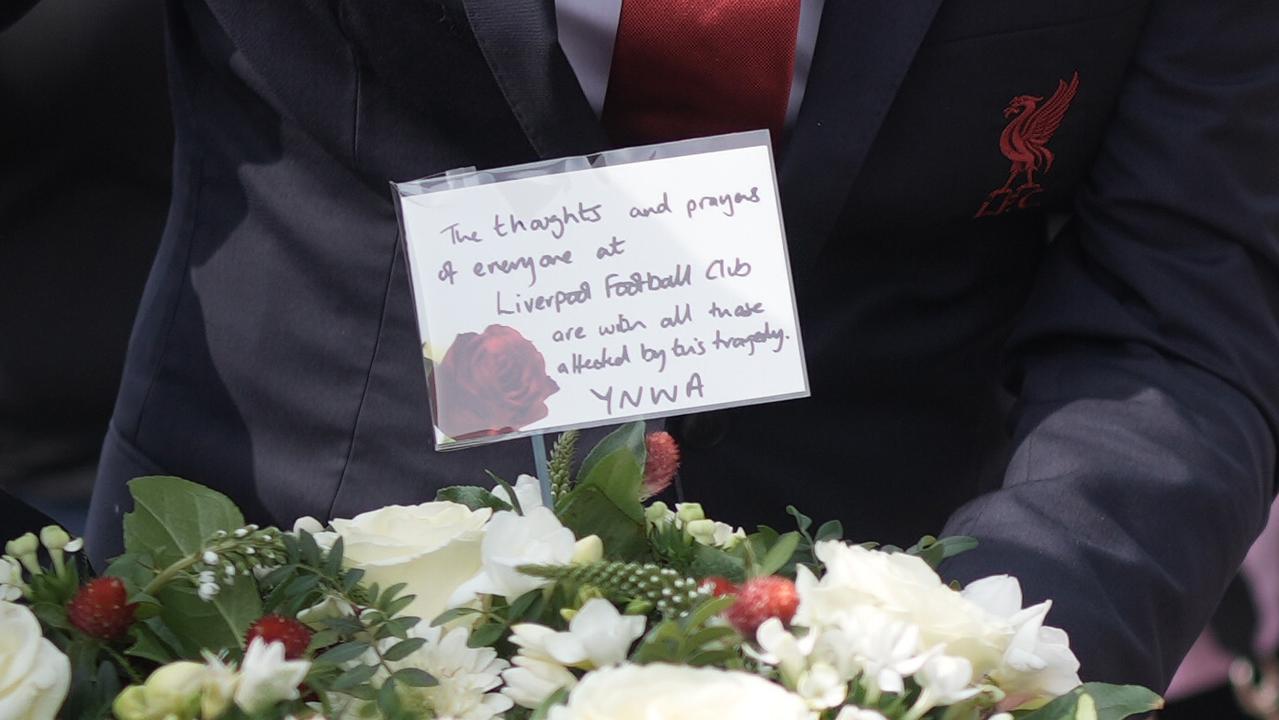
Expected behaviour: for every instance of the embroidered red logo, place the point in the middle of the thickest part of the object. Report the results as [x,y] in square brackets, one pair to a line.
[1025,143]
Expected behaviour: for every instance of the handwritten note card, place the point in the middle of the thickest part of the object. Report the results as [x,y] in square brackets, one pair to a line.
[601,295]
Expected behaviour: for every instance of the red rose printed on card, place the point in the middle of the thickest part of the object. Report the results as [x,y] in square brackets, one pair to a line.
[490,383]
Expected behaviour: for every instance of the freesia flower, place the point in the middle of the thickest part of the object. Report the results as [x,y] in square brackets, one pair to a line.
[511,541]
[266,678]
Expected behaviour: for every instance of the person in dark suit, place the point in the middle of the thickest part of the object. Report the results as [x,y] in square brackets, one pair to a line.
[1034,251]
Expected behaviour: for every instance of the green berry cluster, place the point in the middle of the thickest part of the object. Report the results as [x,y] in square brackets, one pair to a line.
[643,586]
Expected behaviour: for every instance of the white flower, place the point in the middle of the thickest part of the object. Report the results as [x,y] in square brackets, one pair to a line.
[906,589]
[528,490]
[465,676]
[34,675]
[218,689]
[945,680]
[598,635]
[853,713]
[676,692]
[782,649]
[433,547]
[822,687]
[510,541]
[266,678]
[11,585]
[532,680]
[885,650]
[588,550]
[327,609]
[715,533]
[1038,662]
[323,538]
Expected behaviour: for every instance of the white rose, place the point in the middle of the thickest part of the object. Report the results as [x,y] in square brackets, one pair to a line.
[511,541]
[34,675]
[676,692]
[433,547]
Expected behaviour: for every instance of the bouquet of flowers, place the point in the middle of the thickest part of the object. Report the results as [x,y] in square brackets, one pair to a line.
[502,604]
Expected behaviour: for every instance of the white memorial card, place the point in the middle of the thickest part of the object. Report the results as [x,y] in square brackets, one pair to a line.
[639,283]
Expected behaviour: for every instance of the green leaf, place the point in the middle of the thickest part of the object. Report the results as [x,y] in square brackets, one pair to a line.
[709,561]
[803,521]
[218,623]
[556,698]
[779,554]
[829,530]
[1098,701]
[708,610]
[414,677]
[629,437]
[486,635]
[155,642]
[474,497]
[403,649]
[606,503]
[357,675]
[343,653]
[449,616]
[388,701]
[173,517]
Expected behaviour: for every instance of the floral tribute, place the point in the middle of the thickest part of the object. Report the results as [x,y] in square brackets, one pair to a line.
[498,604]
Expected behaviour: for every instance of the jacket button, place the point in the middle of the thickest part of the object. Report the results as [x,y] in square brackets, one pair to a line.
[699,431]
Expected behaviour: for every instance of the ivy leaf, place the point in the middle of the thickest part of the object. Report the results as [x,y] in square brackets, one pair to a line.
[173,517]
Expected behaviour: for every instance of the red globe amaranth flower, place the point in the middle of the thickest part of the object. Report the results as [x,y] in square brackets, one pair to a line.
[295,636]
[762,598]
[490,383]
[101,609]
[662,462]
[719,586]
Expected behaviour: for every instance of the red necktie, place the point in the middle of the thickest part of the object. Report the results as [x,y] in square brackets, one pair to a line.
[688,68]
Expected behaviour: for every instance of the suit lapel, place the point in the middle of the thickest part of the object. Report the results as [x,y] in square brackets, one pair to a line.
[864,49]
[519,42]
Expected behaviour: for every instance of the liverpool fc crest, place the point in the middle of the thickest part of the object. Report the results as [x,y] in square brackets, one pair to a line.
[1025,143]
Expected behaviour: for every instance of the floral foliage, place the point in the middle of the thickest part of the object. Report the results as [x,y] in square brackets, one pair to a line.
[506,604]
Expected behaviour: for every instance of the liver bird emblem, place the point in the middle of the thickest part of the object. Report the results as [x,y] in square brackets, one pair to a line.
[1025,142]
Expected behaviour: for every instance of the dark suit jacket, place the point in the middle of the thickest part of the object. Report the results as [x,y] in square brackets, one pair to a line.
[276,356]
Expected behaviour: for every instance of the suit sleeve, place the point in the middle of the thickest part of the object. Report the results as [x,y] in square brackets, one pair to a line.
[12,11]
[1147,360]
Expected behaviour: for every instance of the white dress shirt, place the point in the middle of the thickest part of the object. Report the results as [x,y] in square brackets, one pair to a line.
[587,29]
